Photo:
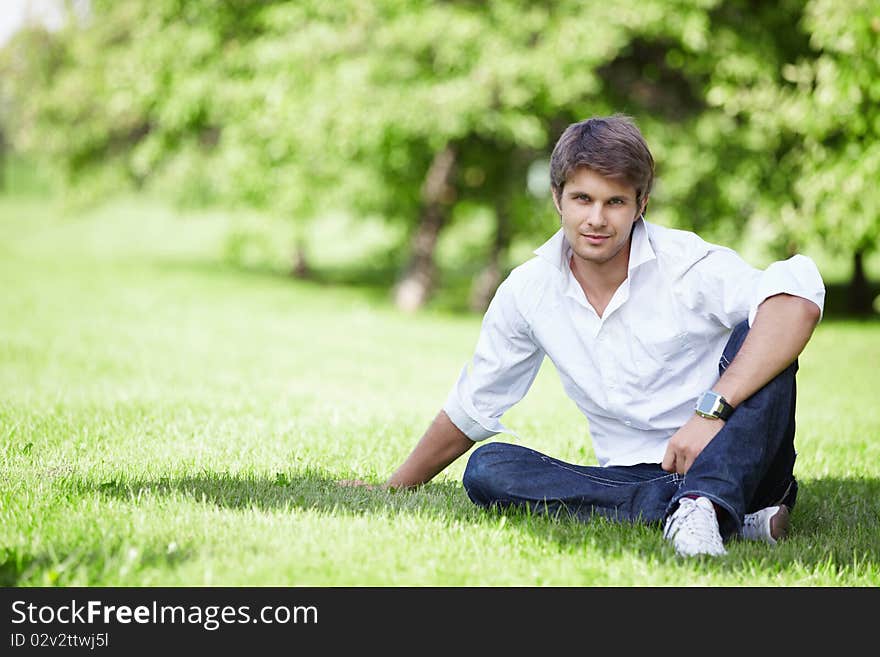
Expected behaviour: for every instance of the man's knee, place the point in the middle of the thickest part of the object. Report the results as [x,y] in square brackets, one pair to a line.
[484,470]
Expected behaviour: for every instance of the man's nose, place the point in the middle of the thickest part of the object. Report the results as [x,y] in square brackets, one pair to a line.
[595,215]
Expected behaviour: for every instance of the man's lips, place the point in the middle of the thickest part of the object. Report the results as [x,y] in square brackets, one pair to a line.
[594,238]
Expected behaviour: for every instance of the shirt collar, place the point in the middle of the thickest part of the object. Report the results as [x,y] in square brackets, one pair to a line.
[557,251]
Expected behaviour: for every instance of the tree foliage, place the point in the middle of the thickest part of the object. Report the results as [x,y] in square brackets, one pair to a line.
[762,116]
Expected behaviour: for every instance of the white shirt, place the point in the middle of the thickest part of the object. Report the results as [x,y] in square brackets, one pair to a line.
[636,371]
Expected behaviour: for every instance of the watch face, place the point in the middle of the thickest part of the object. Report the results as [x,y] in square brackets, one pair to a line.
[706,405]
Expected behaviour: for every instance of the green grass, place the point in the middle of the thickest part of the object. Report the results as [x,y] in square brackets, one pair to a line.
[166,419]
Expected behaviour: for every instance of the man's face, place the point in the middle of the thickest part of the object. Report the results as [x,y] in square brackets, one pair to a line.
[598,214]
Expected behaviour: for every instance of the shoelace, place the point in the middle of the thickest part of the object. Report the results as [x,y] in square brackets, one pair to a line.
[695,520]
[750,522]
[757,526]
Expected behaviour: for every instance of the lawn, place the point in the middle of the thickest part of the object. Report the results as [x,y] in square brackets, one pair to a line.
[168,419]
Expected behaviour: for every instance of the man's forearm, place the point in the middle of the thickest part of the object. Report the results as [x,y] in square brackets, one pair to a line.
[781,329]
[442,444]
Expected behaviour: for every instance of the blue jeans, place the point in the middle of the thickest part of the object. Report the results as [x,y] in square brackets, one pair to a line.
[747,466]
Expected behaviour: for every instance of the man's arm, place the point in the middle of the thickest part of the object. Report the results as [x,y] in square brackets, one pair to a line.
[783,325]
[780,331]
[505,363]
[442,444]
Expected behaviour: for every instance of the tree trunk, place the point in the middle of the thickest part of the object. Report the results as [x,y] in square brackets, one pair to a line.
[487,281]
[859,300]
[438,193]
[300,265]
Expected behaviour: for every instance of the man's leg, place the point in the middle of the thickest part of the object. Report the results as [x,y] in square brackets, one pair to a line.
[749,463]
[505,475]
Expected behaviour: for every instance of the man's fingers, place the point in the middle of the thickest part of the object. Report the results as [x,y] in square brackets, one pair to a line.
[668,463]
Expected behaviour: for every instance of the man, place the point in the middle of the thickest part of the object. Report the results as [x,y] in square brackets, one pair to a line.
[680,354]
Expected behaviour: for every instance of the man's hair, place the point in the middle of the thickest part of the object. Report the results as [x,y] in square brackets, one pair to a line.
[612,146]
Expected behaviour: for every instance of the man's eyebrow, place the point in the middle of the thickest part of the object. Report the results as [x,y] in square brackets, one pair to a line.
[580,192]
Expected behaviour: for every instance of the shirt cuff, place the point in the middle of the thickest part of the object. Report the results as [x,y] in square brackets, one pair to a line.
[461,411]
[797,276]
[467,425]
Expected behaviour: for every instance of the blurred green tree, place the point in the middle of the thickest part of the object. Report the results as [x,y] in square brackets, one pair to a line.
[796,86]
[831,104]
[403,109]
[413,109]
[421,106]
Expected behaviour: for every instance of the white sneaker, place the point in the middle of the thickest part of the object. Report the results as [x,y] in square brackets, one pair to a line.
[693,528]
[770,524]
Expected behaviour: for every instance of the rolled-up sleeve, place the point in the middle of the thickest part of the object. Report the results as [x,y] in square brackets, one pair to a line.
[797,276]
[504,366]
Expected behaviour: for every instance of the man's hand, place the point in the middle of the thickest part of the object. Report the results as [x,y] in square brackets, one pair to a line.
[688,442]
[442,443]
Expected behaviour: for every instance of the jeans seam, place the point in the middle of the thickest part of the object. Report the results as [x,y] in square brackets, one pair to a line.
[610,482]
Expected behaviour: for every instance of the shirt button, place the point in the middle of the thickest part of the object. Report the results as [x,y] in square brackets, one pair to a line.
[628,423]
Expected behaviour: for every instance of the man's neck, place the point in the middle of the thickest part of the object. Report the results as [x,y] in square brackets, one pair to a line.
[600,281]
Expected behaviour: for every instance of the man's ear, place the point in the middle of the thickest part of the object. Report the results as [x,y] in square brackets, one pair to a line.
[644,206]
[556,194]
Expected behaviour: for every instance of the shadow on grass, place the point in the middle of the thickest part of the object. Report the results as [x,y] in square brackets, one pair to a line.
[321,492]
[836,523]
[290,491]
